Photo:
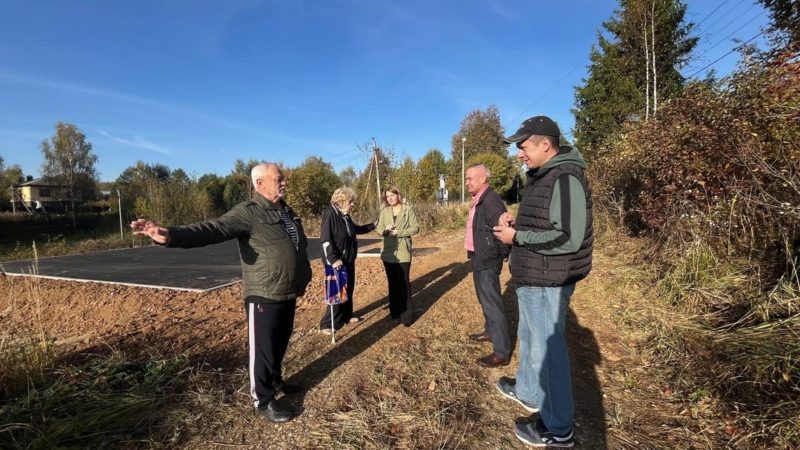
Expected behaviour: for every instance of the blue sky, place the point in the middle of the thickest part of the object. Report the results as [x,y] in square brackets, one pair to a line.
[197,84]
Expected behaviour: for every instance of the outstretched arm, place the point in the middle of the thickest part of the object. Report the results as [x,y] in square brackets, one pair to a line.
[154,231]
[363,229]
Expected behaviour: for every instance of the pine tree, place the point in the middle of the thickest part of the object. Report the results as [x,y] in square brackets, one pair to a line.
[632,71]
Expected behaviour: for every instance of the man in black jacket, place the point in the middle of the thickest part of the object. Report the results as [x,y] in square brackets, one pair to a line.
[275,271]
[487,254]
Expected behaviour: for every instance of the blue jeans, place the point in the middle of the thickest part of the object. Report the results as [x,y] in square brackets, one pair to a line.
[543,376]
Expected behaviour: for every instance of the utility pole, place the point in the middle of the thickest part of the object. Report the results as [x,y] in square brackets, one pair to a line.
[463,141]
[119,204]
[377,172]
[13,201]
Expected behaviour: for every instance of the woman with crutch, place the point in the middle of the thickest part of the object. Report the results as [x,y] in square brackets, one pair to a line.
[339,250]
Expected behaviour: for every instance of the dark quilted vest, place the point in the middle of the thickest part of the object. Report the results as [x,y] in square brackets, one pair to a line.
[529,268]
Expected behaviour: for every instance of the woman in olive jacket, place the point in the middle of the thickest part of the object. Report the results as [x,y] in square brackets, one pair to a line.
[396,224]
[339,249]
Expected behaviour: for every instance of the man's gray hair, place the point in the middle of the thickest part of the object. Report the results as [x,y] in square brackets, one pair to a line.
[260,170]
[485,168]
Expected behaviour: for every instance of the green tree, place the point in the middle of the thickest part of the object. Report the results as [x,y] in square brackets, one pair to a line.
[5,185]
[214,188]
[238,185]
[605,101]
[430,166]
[502,170]
[139,185]
[11,175]
[406,178]
[310,186]
[785,16]
[348,176]
[480,132]
[14,174]
[68,160]
[634,70]
[182,199]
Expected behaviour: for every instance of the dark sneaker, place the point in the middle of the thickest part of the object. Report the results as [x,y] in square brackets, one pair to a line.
[535,434]
[507,386]
[275,412]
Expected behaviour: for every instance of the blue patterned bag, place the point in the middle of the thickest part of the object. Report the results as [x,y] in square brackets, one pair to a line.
[335,285]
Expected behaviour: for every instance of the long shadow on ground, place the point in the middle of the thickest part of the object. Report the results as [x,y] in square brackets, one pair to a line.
[426,290]
[512,313]
[585,356]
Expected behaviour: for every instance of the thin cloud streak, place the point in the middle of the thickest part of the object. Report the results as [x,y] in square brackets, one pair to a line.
[138,142]
[104,93]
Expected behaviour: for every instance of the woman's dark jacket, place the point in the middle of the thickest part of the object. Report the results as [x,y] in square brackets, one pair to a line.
[338,236]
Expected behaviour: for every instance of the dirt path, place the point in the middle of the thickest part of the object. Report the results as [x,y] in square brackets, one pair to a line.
[381,385]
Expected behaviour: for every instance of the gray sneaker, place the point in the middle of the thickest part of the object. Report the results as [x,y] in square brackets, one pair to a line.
[535,434]
[507,387]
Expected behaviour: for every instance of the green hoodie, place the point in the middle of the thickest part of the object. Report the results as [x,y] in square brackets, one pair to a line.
[541,242]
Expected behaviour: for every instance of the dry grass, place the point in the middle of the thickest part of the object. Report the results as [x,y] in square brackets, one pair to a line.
[47,402]
[727,348]
[419,395]
[697,380]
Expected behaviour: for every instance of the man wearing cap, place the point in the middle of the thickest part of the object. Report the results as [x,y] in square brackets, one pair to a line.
[551,251]
[275,271]
[487,254]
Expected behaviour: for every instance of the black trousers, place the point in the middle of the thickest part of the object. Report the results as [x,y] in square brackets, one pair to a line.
[343,312]
[397,274]
[269,326]
[487,286]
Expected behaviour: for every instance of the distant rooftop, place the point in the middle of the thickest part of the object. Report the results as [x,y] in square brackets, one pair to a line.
[39,182]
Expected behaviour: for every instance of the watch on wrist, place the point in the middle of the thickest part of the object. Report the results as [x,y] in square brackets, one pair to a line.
[514,239]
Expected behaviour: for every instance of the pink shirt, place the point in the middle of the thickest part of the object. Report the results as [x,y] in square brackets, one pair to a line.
[468,238]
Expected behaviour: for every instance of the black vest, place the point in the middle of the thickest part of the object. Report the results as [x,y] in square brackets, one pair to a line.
[529,268]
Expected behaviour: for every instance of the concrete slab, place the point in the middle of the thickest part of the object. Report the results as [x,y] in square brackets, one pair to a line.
[197,269]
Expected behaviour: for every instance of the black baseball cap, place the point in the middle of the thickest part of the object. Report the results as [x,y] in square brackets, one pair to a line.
[538,125]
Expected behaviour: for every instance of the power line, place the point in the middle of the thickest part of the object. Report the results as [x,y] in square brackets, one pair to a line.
[347,160]
[734,31]
[712,12]
[711,34]
[546,93]
[344,153]
[724,15]
[726,54]
[729,35]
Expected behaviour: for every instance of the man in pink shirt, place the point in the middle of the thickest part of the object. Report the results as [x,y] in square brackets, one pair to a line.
[487,254]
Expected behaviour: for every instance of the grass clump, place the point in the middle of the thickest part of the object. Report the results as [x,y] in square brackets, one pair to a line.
[104,402]
[731,344]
